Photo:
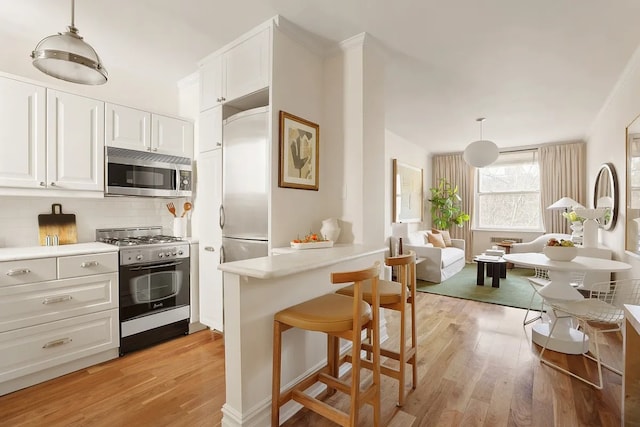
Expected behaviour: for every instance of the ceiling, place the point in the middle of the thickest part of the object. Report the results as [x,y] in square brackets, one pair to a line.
[539,71]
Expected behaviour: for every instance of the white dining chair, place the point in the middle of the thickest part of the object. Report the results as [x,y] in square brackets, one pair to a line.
[604,306]
[538,281]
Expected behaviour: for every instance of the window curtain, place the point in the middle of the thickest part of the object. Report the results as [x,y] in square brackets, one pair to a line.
[456,171]
[562,174]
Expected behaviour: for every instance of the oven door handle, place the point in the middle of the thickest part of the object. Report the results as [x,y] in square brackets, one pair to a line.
[151,267]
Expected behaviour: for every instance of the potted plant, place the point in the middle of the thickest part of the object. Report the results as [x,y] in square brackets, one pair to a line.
[445,206]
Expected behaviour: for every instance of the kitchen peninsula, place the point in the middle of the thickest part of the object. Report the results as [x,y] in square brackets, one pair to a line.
[254,290]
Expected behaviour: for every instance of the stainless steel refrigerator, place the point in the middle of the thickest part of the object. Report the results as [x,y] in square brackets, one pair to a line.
[245,185]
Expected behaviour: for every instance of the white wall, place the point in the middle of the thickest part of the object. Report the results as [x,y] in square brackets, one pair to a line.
[347,67]
[412,154]
[19,216]
[373,143]
[297,88]
[606,143]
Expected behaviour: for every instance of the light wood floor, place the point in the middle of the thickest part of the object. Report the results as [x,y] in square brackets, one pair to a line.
[477,368]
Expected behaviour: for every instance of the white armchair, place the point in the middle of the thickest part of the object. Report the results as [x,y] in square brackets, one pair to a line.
[439,263]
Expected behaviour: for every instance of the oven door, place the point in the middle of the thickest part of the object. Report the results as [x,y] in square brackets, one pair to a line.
[150,288]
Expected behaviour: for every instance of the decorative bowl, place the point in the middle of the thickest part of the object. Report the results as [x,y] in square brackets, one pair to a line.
[560,253]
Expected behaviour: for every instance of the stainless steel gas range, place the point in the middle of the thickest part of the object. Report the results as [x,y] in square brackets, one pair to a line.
[153,283]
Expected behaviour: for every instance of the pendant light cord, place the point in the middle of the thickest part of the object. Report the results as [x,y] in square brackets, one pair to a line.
[73,14]
[481,120]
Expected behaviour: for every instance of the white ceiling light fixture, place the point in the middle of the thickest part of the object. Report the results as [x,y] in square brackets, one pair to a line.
[67,57]
[481,153]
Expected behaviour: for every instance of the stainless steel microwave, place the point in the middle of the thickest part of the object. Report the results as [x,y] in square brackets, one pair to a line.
[139,173]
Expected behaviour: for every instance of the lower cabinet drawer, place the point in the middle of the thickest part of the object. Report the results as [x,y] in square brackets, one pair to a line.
[28,305]
[33,349]
[27,271]
[84,265]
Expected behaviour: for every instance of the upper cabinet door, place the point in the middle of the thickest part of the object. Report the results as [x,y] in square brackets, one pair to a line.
[210,129]
[22,134]
[171,136]
[128,128]
[75,142]
[211,83]
[246,66]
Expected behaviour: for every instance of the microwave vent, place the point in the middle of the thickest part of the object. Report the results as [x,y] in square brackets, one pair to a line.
[123,153]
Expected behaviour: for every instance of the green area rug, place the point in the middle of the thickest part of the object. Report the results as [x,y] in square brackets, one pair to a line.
[514,291]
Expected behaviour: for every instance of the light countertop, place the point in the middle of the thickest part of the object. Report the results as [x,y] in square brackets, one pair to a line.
[31,252]
[632,313]
[299,261]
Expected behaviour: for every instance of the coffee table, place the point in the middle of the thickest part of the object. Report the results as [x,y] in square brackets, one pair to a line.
[495,268]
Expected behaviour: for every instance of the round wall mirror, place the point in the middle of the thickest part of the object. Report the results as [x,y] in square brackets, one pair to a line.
[605,195]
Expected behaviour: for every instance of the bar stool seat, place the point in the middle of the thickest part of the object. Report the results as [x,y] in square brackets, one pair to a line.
[327,313]
[396,296]
[338,316]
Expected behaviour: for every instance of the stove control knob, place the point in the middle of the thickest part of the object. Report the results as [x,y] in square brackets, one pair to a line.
[175,253]
[139,257]
[180,252]
[168,254]
[161,255]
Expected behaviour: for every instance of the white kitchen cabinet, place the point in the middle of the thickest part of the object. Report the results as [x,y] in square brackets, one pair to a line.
[75,142]
[208,202]
[170,135]
[22,134]
[211,83]
[210,127]
[245,67]
[140,130]
[127,127]
[57,315]
[50,139]
[236,71]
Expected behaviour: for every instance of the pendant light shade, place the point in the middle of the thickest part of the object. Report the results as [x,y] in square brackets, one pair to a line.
[67,56]
[481,153]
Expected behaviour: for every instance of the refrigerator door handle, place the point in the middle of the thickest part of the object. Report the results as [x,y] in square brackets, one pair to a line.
[221,254]
[221,221]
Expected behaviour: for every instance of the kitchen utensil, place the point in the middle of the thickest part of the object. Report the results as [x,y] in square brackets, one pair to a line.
[187,208]
[57,224]
[172,209]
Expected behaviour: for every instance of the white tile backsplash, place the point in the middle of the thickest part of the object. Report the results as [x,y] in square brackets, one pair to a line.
[19,216]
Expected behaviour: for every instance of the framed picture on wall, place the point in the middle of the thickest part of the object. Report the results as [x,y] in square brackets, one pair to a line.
[407,192]
[299,152]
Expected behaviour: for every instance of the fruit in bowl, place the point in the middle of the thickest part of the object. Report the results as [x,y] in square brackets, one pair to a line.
[560,250]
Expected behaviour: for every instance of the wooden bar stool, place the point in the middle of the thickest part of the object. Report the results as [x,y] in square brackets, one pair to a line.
[396,296]
[338,316]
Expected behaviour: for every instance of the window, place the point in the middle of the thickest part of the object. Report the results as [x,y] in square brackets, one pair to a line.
[508,193]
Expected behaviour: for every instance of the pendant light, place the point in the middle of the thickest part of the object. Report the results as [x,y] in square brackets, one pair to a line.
[67,56]
[481,153]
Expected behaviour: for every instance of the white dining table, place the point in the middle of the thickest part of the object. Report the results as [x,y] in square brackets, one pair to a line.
[565,338]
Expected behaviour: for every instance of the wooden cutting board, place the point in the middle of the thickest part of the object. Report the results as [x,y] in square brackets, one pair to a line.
[57,223]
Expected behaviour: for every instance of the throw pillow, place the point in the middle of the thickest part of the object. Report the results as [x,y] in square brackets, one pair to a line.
[445,236]
[436,240]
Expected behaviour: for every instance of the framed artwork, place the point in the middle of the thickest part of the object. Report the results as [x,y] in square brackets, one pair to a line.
[299,152]
[407,192]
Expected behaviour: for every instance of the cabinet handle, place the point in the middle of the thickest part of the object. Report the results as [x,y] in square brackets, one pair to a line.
[209,249]
[56,299]
[155,149]
[53,184]
[89,264]
[56,343]
[218,144]
[42,184]
[18,272]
